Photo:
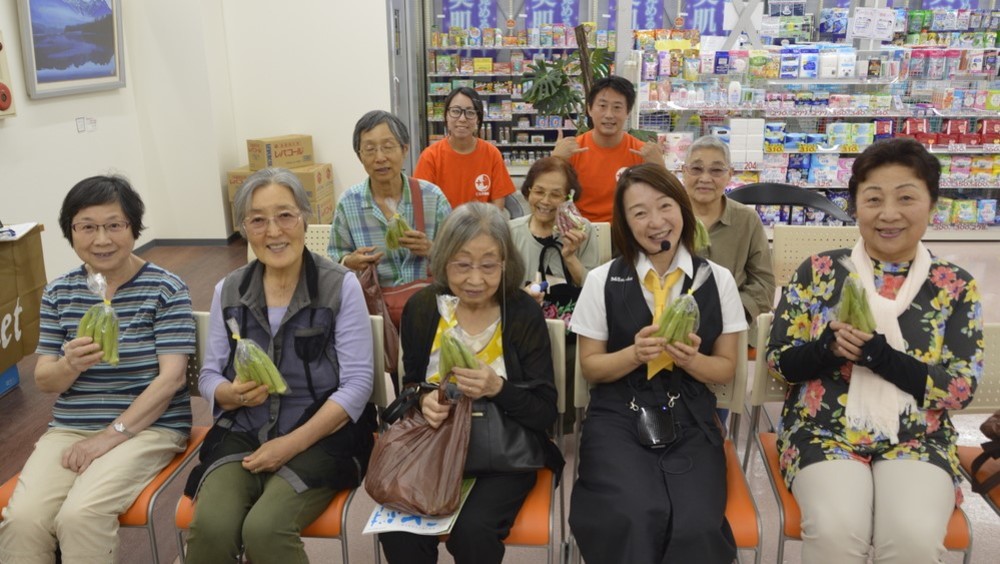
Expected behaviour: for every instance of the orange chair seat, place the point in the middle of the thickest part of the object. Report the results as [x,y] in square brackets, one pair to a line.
[966,454]
[957,537]
[531,526]
[137,514]
[740,510]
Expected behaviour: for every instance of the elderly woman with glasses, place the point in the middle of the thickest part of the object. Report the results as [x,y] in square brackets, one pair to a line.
[272,463]
[116,422]
[652,485]
[738,241]
[358,235]
[550,182]
[477,290]
[466,168]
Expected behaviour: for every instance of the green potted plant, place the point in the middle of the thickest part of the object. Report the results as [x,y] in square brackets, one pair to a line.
[560,86]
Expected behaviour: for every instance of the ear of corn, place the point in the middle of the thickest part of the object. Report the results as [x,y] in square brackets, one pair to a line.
[253,364]
[100,323]
[679,319]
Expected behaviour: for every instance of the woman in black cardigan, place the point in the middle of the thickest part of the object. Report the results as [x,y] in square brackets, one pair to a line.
[477,277]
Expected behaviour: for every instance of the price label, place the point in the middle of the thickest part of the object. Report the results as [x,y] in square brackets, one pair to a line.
[773,148]
[849,148]
[958,147]
[749,165]
[807,147]
[991,148]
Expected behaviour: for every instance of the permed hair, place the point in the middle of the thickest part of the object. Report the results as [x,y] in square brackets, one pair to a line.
[267,177]
[465,223]
[552,164]
[897,150]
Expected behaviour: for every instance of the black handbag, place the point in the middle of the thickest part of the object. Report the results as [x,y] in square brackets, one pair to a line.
[498,443]
[560,299]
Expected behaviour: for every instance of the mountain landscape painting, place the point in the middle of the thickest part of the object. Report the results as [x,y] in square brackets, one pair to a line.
[73,39]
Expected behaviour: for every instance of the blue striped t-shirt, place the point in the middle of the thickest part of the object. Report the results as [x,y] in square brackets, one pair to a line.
[154,318]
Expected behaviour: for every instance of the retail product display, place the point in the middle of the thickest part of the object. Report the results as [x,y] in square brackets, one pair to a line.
[495,63]
[294,152]
[800,113]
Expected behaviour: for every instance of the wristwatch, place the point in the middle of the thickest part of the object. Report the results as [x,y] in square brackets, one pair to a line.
[120,427]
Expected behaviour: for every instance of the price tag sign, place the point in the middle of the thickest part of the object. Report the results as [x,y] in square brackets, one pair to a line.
[807,147]
[849,148]
[991,148]
[957,147]
[773,148]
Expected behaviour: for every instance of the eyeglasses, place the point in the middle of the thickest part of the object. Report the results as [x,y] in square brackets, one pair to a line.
[84,228]
[387,149]
[259,223]
[714,172]
[469,113]
[543,195]
[463,268]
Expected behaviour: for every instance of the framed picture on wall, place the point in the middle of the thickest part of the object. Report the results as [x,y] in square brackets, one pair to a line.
[71,46]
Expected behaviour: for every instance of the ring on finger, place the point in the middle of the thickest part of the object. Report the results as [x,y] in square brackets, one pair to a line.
[242,399]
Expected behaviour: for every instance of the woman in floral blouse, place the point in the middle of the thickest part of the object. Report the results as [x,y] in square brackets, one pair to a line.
[866,443]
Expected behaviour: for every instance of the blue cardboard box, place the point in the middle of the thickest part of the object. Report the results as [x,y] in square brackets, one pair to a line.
[9,379]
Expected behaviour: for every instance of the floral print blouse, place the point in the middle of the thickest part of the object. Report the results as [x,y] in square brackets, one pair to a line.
[942,328]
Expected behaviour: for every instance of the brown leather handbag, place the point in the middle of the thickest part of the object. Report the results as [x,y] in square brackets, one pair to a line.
[991,449]
[376,306]
[418,469]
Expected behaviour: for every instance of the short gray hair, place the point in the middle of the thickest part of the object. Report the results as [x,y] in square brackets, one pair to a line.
[373,119]
[467,222]
[267,177]
[709,142]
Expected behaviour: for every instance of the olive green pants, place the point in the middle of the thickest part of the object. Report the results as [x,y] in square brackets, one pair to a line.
[257,514]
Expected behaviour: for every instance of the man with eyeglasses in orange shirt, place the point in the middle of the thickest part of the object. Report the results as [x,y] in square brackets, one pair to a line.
[738,241]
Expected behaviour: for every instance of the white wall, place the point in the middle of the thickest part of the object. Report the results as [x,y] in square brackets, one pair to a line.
[202,76]
[313,67]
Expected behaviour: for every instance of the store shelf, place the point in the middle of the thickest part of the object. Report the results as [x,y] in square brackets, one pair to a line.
[834,81]
[966,149]
[506,48]
[970,232]
[565,127]
[481,95]
[475,74]
[967,232]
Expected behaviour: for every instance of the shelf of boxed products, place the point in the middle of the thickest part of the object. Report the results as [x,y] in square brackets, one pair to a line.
[505,48]
[952,232]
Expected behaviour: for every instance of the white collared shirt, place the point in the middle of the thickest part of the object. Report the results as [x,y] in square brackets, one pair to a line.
[590,315]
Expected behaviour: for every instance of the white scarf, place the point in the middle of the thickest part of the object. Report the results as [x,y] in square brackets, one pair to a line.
[873,402]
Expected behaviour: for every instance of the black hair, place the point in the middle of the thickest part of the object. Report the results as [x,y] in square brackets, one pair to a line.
[97,191]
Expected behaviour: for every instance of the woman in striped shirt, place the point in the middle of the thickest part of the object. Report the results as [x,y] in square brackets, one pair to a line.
[114,426]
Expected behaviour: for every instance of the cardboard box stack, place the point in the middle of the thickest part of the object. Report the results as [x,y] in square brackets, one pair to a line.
[294,152]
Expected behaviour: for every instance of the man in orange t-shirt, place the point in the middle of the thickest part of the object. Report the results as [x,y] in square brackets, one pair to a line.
[465,167]
[599,155]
